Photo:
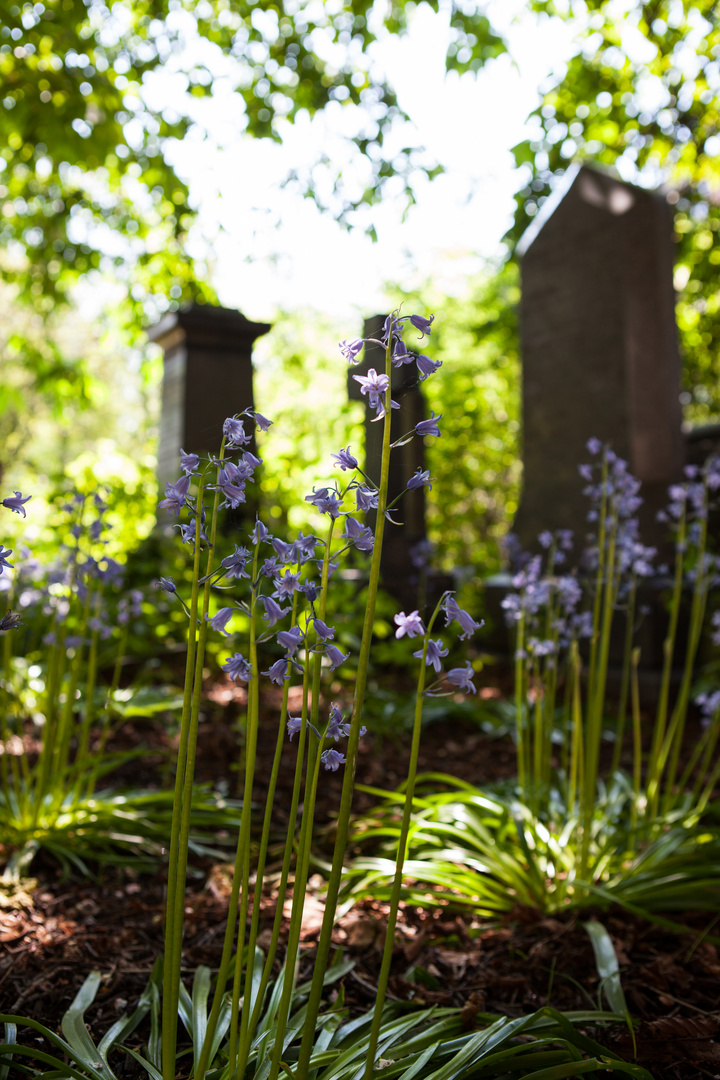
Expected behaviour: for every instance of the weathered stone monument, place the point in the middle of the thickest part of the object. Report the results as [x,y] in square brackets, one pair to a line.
[599,349]
[207,377]
[401,566]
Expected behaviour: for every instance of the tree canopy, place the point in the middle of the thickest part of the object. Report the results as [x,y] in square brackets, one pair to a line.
[84,177]
[642,93]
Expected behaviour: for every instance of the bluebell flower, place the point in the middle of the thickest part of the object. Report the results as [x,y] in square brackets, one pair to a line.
[594,446]
[220,621]
[345,459]
[273,611]
[189,462]
[231,482]
[259,533]
[411,624]
[455,613]
[278,672]
[335,726]
[188,532]
[366,498]
[238,668]
[283,549]
[262,421]
[400,355]
[175,496]
[421,323]
[430,426]
[234,433]
[290,640]
[420,478]
[294,724]
[235,564]
[332,567]
[462,678]
[311,590]
[326,501]
[435,652]
[358,535]
[332,760]
[286,584]
[10,621]
[373,385]
[270,568]
[335,656]
[304,547]
[166,584]
[16,503]
[74,641]
[323,631]
[426,366]
[351,349]
[250,462]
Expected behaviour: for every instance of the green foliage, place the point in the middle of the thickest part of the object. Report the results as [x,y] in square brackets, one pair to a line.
[488,852]
[476,459]
[300,381]
[77,411]
[85,152]
[430,1044]
[641,92]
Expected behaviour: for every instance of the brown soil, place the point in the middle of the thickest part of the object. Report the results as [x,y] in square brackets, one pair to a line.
[516,965]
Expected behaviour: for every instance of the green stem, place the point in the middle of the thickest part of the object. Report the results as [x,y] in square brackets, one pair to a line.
[668,651]
[246,818]
[625,679]
[298,901]
[247,1030]
[333,887]
[520,706]
[399,860]
[637,737]
[171,976]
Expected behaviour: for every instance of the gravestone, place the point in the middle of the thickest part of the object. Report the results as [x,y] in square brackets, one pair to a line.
[402,570]
[599,349]
[207,376]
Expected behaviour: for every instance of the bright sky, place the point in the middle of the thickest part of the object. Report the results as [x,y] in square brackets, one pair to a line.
[273,249]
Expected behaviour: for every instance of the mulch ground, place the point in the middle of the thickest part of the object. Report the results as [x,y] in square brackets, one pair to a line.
[513,966]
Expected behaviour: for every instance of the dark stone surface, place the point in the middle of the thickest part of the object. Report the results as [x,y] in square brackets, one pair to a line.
[600,352]
[207,377]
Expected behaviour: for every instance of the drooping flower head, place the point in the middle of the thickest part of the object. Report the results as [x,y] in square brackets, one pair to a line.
[332,760]
[234,433]
[429,426]
[176,495]
[345,459]
[278,671]
[359,535]
[238,668]
[420,478]
[351,349]
[435,652]
[189,462]
[290,640]
[461,677]
[335,656]
[454,613]
[16,503]
[220,620]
